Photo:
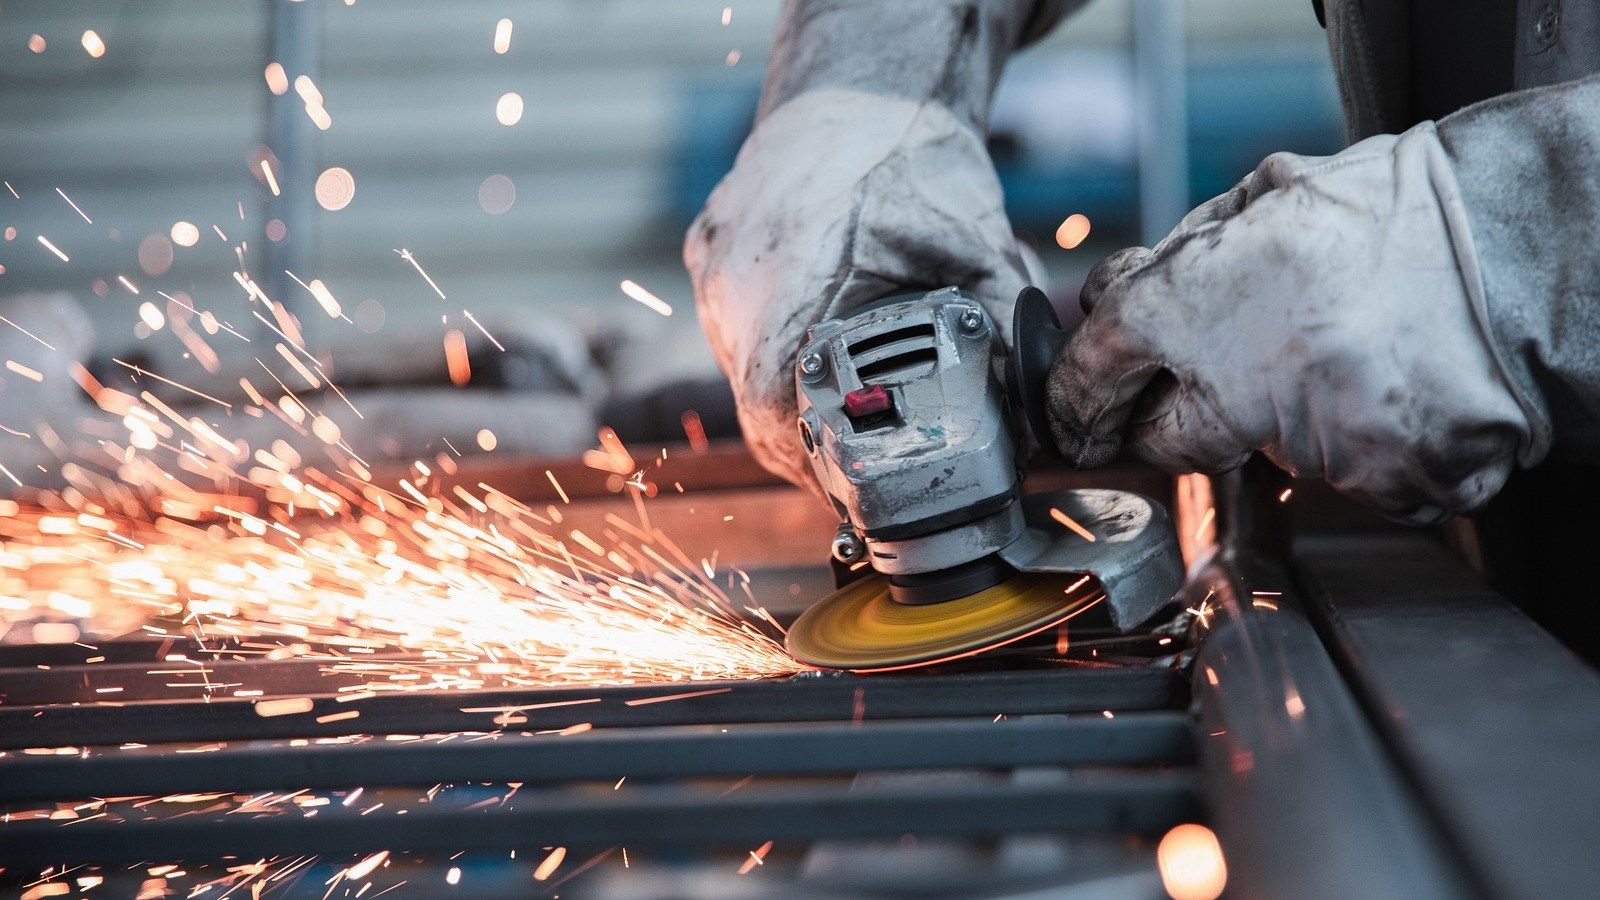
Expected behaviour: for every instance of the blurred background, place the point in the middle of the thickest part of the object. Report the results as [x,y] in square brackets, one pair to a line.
[528,157]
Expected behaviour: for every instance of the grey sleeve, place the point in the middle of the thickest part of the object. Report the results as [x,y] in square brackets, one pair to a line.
[946,51]
[1528,164]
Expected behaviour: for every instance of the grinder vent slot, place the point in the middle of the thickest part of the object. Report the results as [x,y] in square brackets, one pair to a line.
[898,363]
[868,344]
[893,352]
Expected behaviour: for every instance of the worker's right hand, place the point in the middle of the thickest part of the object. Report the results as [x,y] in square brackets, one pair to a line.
[839,198]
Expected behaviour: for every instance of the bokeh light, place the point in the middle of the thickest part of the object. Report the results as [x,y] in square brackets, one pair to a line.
[509,109]
[185,234]
[496,194]
[155,255]
[1190,860]
[1072,231]
[336,187]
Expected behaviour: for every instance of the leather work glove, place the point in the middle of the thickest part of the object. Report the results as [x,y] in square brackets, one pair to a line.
[866,175]
[1330,312]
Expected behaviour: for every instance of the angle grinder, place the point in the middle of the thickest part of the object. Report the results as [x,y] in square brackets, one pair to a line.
[916,419]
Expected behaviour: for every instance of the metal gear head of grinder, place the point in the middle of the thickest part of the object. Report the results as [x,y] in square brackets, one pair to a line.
[916,421]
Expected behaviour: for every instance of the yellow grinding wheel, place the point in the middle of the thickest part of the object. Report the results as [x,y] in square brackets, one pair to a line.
[861,628]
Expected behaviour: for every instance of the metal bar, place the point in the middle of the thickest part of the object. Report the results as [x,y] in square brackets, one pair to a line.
[1497,724]
[1144,804]
[638,754]
[296,45]
[1304,798]
[802,698]
[1161,72]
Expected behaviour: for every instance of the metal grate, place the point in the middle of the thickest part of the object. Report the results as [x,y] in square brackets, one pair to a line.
[808,761]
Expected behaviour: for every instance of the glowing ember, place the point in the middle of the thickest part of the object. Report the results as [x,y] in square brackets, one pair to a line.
[508,110]
[636,292]
[1190,860]
[184,234]
[93,45]
[1072,231]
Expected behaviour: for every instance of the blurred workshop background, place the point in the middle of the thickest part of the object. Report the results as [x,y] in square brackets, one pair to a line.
[530,156]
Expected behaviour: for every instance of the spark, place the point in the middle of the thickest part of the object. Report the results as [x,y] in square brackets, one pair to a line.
[53,248]
[366,866]
[27,372]
[307,89]
[508,109]
[550,865]
[502,36]
[1287,493]
[184,234]
[75,207]
[277,79]
[93,45]
[1072,231]
[633,290]
[557,485]
[1205,522]
[1072,524]
[27,332]
[727,15]
[410,258]
[182,387]
[473,319]
[272,180]
[455,357]
[480,594]
[643,701]
[758,857]
[268,709]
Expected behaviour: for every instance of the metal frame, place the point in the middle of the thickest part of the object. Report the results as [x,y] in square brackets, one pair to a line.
[1144,804]
[798,699]
[640,754]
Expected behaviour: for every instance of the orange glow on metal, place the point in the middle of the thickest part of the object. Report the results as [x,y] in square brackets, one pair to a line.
[1190,860]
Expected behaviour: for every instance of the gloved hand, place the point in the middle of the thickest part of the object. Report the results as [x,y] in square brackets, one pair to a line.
[838,199]
[1329,312]
[865,176]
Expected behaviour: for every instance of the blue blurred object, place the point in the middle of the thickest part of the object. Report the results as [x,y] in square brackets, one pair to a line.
[1062,131]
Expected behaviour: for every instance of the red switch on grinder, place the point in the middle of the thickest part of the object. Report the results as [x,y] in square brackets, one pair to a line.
[867,401]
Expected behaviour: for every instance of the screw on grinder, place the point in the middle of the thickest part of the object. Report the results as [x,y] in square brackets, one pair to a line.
[916,420]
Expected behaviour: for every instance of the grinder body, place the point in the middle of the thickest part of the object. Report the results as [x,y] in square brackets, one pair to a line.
[905,415]
[915,417]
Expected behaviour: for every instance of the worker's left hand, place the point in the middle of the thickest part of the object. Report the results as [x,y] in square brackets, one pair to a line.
[1328,312]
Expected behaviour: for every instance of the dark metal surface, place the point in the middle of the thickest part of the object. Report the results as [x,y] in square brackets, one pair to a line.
[1304,797]
[1497,722]
[639,754]
[798,699]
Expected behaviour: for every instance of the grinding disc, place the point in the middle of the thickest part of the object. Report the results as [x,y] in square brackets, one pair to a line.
[861,628]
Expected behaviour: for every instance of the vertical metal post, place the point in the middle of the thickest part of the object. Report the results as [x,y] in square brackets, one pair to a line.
[1160,72]
[292,137]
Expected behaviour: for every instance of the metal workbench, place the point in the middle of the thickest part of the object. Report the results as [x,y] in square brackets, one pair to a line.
[1355,716]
